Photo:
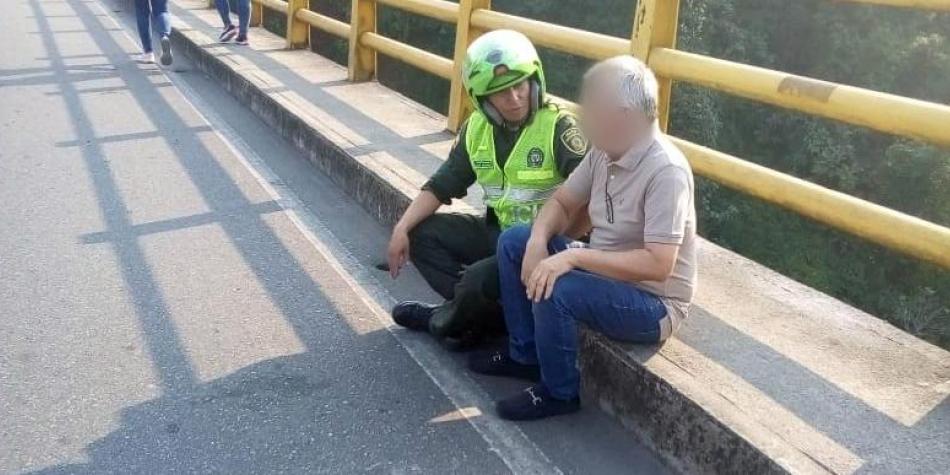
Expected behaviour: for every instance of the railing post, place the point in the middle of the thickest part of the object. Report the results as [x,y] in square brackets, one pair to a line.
[459,105]
[362,60]
[257,14]
[655,27]
[298,32]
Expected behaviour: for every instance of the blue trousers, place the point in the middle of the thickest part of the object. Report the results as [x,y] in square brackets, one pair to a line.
[243,8]
[546,333]
[157,10]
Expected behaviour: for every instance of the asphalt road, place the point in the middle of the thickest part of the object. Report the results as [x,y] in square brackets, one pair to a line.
[181,292]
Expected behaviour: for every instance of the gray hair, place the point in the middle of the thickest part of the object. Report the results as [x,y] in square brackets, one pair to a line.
[636,86]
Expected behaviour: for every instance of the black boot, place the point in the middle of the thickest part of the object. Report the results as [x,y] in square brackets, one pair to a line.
[413,315]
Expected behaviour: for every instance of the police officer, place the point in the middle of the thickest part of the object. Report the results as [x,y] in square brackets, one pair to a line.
[519,148]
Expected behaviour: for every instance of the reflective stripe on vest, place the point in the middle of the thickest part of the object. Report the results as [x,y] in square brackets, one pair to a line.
[528,194]
[530,175]
[493,192]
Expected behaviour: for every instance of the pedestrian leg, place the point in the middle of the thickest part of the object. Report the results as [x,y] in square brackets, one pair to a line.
[162,21]
[142,20]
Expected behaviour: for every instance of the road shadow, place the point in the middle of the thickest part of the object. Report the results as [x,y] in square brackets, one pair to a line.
[287,415]
[353,400]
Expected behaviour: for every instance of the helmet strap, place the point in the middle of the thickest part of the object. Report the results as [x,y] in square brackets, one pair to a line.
[492,113]
[535,94]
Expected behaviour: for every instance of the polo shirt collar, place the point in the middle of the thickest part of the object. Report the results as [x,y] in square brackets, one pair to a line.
[635,154]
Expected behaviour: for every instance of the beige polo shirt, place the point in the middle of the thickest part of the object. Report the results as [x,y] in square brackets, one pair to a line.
[651,190]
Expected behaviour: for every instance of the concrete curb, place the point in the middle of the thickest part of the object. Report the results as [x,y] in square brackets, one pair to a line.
[686,435]
[641,399]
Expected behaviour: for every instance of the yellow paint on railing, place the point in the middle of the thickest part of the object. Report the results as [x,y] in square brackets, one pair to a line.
[923,120]
[276,5]
[324,23]
[298,32]
[907,234]
[460,106]
[361,61]
[419,58]
[654,26]
[570,40]
[437,9]
[257,13]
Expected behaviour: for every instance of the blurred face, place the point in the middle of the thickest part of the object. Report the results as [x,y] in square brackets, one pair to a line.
[513,103]
[608,125]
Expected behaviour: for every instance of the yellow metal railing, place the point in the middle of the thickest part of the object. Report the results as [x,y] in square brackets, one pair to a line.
[653,40]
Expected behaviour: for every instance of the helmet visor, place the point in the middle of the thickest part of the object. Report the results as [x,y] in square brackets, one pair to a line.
[504,81]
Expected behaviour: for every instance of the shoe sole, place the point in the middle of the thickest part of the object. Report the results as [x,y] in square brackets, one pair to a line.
[166,51]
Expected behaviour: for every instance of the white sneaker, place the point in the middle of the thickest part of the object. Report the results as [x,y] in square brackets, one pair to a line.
[146,58]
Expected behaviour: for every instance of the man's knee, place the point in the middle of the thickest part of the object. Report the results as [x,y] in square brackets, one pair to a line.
[514,239]
[568,289]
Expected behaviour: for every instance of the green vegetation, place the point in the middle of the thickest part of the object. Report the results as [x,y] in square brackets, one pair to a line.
[886,49]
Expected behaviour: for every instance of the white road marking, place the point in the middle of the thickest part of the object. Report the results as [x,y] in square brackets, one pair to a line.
[512,446]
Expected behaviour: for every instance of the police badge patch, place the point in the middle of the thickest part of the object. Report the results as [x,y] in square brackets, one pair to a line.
[574,141]
[535,158]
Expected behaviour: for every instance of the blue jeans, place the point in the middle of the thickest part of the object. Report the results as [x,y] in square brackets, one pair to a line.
[243,12]
[152,9]
[546,333]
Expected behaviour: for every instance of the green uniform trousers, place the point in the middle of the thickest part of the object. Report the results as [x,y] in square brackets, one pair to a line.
[455,253]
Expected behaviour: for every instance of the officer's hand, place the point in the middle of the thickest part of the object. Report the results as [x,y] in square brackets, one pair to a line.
[398,253]
[534,253]
[540,285]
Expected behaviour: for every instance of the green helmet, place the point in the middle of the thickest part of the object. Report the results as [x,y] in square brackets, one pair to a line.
[501,48]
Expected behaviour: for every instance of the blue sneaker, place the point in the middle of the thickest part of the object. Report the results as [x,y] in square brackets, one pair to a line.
[535,403]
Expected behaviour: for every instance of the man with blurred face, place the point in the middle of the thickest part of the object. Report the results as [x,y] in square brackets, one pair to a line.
[635,280]
[518,148]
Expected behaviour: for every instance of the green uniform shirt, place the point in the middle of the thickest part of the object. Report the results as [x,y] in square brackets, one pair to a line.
[455,176]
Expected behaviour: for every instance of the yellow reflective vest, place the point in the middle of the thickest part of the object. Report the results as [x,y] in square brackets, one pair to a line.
[530,176]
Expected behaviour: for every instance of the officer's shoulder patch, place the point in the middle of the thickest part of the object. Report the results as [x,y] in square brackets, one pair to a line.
[574,140]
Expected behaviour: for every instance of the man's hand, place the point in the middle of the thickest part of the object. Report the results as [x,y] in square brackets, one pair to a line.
[535,252]
[397,255]
[541,283]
